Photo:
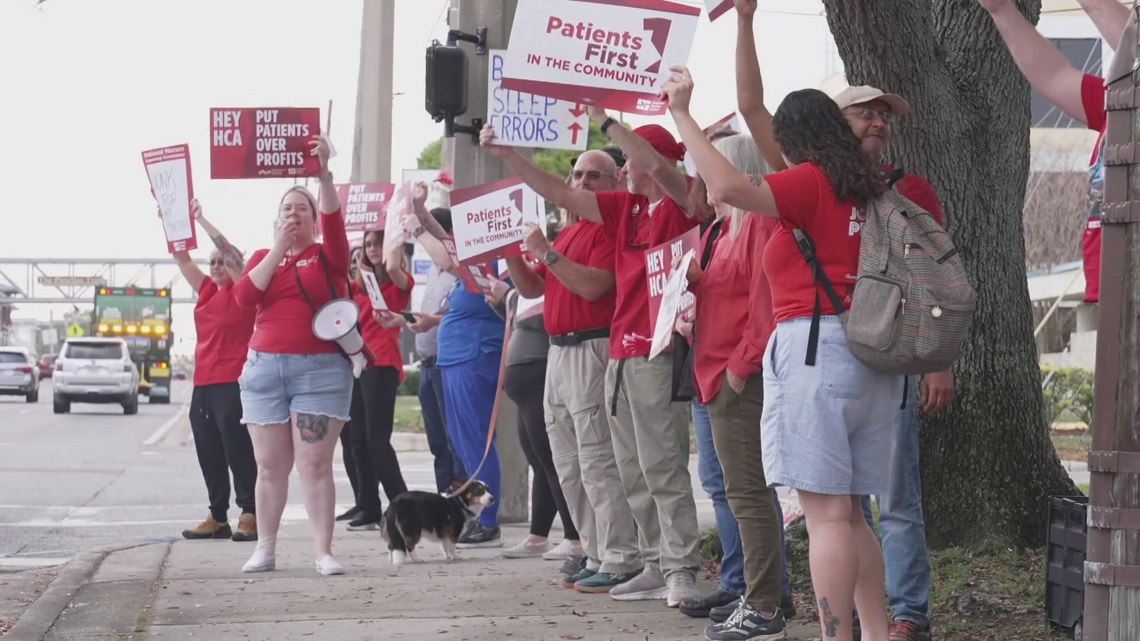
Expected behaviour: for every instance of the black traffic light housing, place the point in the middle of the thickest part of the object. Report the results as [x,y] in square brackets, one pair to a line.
[446,84]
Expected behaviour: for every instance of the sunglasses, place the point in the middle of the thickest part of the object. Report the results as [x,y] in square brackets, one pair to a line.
[868,114]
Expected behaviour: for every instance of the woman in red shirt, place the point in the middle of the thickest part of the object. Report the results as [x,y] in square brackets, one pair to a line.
[374,394]
[223,329]
[296,389]
[826,427]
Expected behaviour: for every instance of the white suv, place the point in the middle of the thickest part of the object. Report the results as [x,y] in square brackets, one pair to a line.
[95,370]
[19,374]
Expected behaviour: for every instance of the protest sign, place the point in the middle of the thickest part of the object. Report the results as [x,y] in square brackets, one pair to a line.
[363,204]
[671,303]
[438,182]
[717,8]
[270,142]
[610,53]
[528,307]
[490,220]
[659,266]
[168,169]
[521,119]
[474,277]
[730,124]
[373,287]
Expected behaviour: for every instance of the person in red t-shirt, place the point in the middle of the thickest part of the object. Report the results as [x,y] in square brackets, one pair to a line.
[650,430]
[575,275]
[220,439]
[296,389]
[374,394]
[826,427]
[1078,94]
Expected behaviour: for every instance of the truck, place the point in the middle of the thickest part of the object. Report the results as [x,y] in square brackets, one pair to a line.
[141,316]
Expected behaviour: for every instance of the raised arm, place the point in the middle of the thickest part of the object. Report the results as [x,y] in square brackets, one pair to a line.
[638,150]
[394,265]
[1110,18]
[190,271]
[750,87]
[725,184]
[1042,65]
[433,246]
[234,261]
[579,201]
[334,238]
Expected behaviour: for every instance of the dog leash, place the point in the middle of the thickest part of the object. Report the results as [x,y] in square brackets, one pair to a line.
[494,408]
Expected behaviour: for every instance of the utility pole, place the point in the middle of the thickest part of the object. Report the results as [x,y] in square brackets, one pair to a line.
[1112,555]
[372,135]
[468,166]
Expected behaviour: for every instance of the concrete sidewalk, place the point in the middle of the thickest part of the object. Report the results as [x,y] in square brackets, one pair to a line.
[195,590]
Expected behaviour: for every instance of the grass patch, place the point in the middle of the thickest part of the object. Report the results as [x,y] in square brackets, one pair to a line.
[1071,445]
[408,417]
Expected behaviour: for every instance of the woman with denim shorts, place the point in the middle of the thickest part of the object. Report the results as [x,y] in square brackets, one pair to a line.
[828,418]
[296,389]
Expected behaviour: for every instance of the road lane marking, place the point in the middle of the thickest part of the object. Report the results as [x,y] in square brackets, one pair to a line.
[160,433]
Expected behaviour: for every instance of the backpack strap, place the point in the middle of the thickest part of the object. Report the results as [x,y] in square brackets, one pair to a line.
[818,279]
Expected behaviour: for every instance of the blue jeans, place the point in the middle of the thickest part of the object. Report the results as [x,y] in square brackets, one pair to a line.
[448,465]
[712,481]
[901,526]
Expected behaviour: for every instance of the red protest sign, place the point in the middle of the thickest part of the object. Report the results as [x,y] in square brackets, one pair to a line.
[658,265]
[269,142]
[168,169]
[474,277]
[364,204]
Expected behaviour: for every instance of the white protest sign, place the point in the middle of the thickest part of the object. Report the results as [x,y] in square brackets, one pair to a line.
[168,169]
[717,8]
[490,220]
[610,53]
[522,119]
[528,307]
[670,306]
[728,124]
[373,287]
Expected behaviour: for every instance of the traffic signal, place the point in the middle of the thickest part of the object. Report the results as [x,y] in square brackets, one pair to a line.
[446,91]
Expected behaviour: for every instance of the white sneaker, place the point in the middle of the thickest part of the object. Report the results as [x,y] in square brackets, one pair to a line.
[261,561]
[682,585]
[645,586]
[564,549]
[524,549]
[327,565]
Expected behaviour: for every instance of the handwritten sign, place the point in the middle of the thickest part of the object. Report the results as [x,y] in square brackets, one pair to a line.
[670,305]
[490,220]
[659,266]
[263,142]
[717,8]
[612,53]
[363,204]
[373,287]
[522,119]
[169,171]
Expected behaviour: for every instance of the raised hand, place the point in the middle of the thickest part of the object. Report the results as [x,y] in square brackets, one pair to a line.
[535,241]
[496,150]
[320,148]
[678,90]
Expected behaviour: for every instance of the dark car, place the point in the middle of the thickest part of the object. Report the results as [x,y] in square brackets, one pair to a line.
[46,364]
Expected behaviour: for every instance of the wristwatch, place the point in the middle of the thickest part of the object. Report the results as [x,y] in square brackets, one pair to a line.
[418,231]
[550,257]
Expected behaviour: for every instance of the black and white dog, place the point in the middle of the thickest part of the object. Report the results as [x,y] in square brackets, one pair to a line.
[416,515]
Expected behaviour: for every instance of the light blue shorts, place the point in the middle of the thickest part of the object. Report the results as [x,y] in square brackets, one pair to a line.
[274,385]
[826,428]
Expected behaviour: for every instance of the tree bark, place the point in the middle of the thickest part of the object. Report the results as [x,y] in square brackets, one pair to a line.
[989,464]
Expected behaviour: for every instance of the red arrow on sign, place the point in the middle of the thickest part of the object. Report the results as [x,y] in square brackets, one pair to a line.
[574,129]
[578,110]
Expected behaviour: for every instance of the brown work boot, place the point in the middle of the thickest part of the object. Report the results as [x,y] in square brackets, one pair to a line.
[209,529]
[247,527]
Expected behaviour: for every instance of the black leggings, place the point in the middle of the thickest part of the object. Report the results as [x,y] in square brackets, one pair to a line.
[373,411]
[222,441]
[525,384]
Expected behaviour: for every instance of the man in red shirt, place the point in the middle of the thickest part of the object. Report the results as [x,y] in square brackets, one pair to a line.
[650,431]
[576,278]
[1078,94]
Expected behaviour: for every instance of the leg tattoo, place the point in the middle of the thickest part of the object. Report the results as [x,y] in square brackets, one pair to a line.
[830,621]
[313,427]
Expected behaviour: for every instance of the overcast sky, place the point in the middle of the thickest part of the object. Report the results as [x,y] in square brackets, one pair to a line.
[88,85]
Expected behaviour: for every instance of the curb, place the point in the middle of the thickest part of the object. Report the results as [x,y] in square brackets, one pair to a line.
[42,614]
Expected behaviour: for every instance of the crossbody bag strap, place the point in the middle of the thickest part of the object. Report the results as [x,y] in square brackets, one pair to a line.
[818,279]
[328,278]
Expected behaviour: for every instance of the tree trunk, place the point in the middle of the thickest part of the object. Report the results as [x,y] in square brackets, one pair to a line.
[989,464]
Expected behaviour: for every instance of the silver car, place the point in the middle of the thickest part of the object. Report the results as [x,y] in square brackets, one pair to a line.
[95,370]
[19,375]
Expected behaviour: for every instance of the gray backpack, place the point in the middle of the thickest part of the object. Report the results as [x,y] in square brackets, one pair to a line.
[912,305]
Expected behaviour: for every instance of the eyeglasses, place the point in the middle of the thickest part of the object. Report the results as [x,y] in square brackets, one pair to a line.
[217,262]
[867,113]
[578,174]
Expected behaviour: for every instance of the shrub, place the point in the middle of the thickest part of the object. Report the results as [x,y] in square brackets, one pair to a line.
[1067,390]
[411,384]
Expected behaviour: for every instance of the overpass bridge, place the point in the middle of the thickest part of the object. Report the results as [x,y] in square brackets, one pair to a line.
[26,281]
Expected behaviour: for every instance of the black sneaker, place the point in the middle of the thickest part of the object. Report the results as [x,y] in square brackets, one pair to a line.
[746,623]
[700,607]
[352,513]
[364,521]
[721,612]
[479,536]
